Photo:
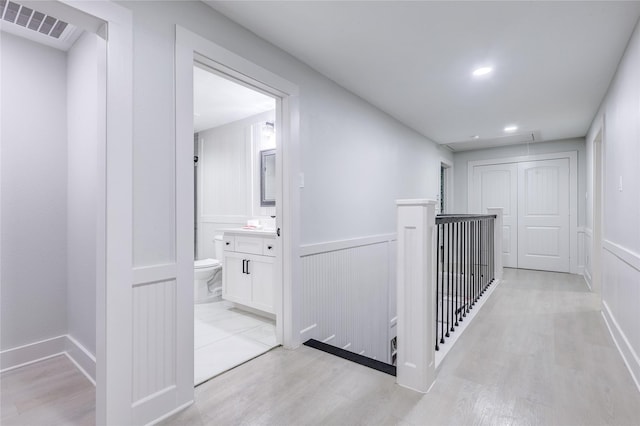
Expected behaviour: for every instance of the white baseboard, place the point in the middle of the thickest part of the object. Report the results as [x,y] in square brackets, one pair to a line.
[171,413]
[84,360]
[39,351]
[631,359]
[30,353]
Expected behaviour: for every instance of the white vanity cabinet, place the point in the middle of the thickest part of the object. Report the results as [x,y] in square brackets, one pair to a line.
[247,273]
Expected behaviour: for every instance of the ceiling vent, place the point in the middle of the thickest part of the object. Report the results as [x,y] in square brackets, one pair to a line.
[37,26]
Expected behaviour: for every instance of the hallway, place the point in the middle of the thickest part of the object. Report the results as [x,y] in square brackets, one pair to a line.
[538,353]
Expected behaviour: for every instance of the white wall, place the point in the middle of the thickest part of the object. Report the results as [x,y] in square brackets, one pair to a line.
[620,112]
[356,159]
[34,195]
[229,179]
[462,159]
[82,80]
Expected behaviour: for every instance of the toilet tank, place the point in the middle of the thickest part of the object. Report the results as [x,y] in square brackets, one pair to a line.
[218,245]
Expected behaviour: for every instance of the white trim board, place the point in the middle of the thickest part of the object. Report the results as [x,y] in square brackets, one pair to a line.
[154,273]
[627,256]
[629,356]
[573,191]
[325,247]
[24,355]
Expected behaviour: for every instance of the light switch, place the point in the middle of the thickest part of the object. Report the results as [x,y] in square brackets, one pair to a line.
[620,184]
[301,180]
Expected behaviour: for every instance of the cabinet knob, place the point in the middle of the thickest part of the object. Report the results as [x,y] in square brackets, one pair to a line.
[227,243]
[269,247]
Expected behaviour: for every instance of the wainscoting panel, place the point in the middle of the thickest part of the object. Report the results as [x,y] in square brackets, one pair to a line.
[620,296]
[154,338]
[346,300]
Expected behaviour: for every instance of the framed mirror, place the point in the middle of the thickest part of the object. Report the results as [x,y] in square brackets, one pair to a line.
[268,178]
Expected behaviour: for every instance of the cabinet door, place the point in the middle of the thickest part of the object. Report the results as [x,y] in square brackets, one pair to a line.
[236,285]
[261,272]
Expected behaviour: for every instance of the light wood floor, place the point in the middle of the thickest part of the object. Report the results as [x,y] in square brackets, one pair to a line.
[50,392]
[537,353]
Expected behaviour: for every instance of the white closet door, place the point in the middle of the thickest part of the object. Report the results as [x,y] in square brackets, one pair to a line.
[543,210]
[496,185]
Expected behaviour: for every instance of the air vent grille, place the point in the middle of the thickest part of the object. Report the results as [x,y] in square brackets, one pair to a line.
[31,19]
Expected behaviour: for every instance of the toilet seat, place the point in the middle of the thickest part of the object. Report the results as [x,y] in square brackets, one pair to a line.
[205,263]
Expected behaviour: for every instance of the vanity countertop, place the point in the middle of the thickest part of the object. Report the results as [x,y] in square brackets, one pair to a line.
[251,231]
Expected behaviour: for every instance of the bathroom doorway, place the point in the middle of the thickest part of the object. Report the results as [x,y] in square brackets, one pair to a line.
[235,208]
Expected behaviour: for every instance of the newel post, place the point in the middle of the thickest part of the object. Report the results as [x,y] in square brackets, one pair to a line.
[416,294]
[497,239]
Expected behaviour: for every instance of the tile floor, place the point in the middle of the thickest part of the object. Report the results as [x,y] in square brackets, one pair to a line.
[225,337]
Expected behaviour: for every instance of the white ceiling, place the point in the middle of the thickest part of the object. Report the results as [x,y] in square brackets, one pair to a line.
[218,101]
[553,61]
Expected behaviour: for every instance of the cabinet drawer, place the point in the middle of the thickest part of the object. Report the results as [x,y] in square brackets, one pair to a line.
[269,246]
[248,244]
[228,242]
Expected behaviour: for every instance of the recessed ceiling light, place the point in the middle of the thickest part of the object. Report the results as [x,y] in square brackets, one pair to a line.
[482,71]
[511,128]
[475,137]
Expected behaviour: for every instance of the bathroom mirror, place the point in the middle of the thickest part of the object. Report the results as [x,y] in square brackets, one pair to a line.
[268,178]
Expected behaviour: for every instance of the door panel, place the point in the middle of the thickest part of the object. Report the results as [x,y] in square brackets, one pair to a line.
[496,185]
[543,210]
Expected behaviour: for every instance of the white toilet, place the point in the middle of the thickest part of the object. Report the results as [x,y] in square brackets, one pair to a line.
[207,274]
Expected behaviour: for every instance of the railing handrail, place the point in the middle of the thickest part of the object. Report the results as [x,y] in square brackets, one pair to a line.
[451,218]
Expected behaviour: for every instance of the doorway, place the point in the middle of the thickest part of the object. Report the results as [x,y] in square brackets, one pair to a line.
[96,234]
[235,208]
[445,195]
[192,47]
[538,198]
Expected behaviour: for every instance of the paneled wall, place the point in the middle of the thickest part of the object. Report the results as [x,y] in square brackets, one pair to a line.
[229,178]
[349,295]
[619,122]
[154,338]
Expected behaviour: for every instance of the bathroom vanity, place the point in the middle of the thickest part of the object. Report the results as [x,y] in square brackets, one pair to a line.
[248,268]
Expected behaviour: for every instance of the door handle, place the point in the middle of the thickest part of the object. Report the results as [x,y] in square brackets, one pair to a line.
[244,266]
[248,273]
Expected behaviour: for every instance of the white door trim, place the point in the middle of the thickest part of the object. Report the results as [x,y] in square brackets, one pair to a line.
[189,47]
[449,184]
[573,190]
[114,260]
[597,208]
